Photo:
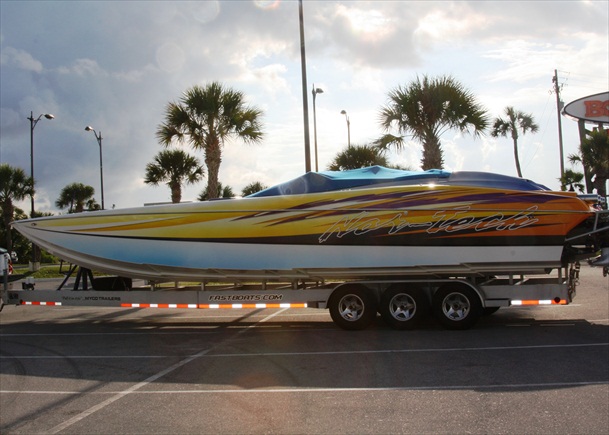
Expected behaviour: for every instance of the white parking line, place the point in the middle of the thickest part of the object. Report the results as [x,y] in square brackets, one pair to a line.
[142,384]
[337,352]
[323,389]
[420,350]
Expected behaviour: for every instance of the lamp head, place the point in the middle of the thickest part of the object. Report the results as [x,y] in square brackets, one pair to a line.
[49,116]
[89,128]
[319,91]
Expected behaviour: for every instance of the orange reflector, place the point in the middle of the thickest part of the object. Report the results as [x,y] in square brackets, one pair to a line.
[539,302]
[40,303]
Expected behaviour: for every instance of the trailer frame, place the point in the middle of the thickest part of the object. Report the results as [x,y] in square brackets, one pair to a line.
[457,296]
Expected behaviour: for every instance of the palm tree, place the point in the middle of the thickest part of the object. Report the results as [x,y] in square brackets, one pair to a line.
[594,158]
[223,192]
[174,168]
[74,196]
[14,186]
[206,117]
[573,179]
[92,205]
[427,108]
[252,188]
[516,121]
[358,156]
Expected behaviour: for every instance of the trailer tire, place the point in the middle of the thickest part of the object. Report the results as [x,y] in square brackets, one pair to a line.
[352,307]
[456,306]
[403,306]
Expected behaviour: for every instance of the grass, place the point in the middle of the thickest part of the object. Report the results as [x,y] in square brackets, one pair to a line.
[45,271]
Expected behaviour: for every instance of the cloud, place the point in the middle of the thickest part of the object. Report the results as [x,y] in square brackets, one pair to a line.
[456,22]
[170,57]
[83,67]
[20,59]
[115,65]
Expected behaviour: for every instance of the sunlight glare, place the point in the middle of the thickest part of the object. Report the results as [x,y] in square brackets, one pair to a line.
[267,4]
[371,25]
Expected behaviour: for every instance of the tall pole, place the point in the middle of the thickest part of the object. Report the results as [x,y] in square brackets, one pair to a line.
[101,165]
[344,112]
[558,109]
[315,92]
[101,169]
[348,132]
[33,123]
[305,102]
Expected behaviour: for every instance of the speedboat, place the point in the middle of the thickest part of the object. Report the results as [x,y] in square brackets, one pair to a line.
[353,224]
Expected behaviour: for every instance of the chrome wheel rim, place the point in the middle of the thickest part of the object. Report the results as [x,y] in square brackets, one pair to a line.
[456,306]
[402,307]
[351,308]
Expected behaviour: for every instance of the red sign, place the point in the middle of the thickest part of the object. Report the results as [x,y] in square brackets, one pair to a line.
[593,108]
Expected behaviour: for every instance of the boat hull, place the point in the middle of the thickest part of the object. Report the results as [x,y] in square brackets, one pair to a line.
[202,260]
[384,231]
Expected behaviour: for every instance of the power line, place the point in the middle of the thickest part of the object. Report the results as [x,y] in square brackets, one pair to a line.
[588,81]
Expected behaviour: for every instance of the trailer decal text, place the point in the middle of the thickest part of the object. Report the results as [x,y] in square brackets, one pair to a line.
[245,298]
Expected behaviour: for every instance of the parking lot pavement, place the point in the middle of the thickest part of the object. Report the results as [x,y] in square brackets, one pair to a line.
[105,370]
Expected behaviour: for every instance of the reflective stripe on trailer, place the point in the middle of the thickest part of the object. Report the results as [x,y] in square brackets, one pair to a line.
[217,306]
[202,306]
[159,306]
[214,306]
[540,302]
[40,303]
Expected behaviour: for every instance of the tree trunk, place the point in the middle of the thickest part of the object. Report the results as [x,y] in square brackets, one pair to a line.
[516,157]
[588,179]
[432,154]
[213,158]
[176,192]
[600,184]
[7,216]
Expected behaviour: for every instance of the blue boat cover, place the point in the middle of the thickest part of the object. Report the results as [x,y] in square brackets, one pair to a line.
[313,182]
[327,181]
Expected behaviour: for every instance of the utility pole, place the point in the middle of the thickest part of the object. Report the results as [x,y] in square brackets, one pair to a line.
[305,101]
[559,106]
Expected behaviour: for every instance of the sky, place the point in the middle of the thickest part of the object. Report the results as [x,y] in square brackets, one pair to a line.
[116,65]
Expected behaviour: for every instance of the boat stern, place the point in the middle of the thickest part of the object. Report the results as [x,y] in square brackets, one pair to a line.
[590,239]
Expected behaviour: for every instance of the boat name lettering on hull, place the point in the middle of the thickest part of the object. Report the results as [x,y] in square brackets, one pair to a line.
[245,298]
[448,221]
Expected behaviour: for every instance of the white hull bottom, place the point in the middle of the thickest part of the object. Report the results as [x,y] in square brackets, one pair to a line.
[161,260]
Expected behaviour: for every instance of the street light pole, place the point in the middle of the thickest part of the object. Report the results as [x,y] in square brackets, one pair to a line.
[305,103]
[343,112]
[33,123]
[101,165]
[315,92]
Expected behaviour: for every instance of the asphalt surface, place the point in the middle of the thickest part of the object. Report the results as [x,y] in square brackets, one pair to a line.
[100,370]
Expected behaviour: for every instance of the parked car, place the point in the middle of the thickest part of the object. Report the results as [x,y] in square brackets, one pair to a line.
[5,261]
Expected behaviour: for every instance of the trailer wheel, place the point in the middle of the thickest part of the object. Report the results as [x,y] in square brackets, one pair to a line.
[352,307]
[403,306]
[456,306]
